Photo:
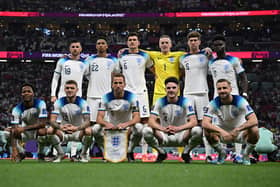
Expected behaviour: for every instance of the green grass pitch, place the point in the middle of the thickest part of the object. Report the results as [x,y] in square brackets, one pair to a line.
[31,173]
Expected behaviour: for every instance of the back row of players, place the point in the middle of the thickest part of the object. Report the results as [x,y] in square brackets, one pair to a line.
[180,117]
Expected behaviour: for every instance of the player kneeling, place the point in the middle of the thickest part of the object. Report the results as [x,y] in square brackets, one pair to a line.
[29,119]
[237,122]
[75,124]
[122,112]
[178,123]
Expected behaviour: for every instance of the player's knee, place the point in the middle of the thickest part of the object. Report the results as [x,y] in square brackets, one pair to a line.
[42,139]
[96,129]
[88,131]
[4,137]
[253,135]
[54,139]
[196,131]
[138,128]
[50,130]
[147,132]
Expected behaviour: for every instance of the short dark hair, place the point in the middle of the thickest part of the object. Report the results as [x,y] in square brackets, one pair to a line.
[74,41]
[219,37]
[132,34]
[101,38]
[118,75]
[223,80]
[72,82]
[171,79]
[29,85]
[193,34]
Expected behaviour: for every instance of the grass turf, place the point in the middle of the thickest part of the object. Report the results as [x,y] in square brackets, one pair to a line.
[31,173]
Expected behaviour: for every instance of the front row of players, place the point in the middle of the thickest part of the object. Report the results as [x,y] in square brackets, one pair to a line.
[228,118]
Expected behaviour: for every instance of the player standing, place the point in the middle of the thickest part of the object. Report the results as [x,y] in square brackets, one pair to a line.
[75,124]
[194,67]
[71,67]
[101,67]
[166,64]
[133,63]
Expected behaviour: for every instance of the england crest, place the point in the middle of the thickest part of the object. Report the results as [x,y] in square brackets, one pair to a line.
[115,145]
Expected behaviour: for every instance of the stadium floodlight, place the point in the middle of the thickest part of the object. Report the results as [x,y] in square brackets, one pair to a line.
[3,60]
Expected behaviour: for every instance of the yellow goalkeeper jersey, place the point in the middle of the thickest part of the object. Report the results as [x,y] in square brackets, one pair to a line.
[165,66]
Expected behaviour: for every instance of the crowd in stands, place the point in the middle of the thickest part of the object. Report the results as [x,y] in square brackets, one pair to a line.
[53,37]
[264,94]
[154,6]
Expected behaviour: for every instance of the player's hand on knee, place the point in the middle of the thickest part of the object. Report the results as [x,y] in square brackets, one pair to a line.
[226,137]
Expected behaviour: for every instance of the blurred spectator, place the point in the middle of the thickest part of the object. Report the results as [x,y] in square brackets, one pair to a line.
[155,6]
[52,37]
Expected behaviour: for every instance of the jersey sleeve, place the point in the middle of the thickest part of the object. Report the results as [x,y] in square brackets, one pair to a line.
[102,104]
[190,109]
[237,66]
[118,67]
[87,67]
[15,116]
[152,54]
[245,106]
[210,110]
[85,108]
[59,67]
[149,62]
[56,107]
[43,110]
[181,65]
[56,75]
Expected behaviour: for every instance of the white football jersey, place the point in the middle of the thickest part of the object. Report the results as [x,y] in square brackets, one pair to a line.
[71,113]
[119,110]
[196,70]
[226,68]
[229,116]
[133,66]
[100,70]
[175,114]
[69,69]
[29,116]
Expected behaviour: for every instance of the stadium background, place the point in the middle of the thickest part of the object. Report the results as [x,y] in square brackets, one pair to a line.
[34,33]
